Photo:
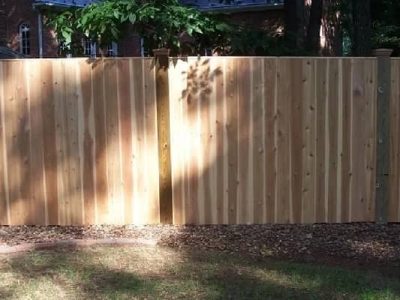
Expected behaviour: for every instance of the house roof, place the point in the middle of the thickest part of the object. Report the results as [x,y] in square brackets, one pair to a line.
[63,3]
[205,5]
[220,5]
[6,53]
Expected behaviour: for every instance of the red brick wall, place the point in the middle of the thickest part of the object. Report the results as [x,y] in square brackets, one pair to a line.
[21,11]
[130,45]
[50,44]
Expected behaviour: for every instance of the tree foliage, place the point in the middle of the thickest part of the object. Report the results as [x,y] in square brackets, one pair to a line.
[163,23]
[350,27]
[386,24]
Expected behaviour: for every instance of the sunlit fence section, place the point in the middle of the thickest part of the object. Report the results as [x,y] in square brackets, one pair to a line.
[273,140]
[78,142]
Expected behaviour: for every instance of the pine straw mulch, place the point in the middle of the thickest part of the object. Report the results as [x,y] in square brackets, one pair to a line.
[358,243]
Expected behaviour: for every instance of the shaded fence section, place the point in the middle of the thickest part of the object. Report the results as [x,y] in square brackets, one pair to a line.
[394,170]
[277,140]
[78,142]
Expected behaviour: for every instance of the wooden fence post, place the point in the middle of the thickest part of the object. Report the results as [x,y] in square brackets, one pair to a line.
[383,138]
[163,127]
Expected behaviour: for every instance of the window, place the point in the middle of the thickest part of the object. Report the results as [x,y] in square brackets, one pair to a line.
[112,49]
[25,36]
[89,48]
[144,51]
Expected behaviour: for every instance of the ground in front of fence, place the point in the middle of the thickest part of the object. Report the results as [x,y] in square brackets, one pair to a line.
[105,272]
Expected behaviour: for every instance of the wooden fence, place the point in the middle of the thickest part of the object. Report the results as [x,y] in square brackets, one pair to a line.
[78,142]
[253,140]
[394,171]
[276,140]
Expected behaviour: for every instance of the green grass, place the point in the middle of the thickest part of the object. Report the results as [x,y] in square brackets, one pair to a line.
[159,273]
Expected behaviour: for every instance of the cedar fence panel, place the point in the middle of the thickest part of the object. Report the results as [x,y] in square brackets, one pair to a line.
[273,140]
[78,142]
[394,172]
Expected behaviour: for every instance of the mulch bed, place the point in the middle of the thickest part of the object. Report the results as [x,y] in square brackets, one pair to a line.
[359,243]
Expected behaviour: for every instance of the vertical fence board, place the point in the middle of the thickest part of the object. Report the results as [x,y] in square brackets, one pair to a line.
[115,195]
[242,140]
[179,129]
[346,136]
[394,179]
[151,150]
[370,77]
[4,196]
[284,186]
[257,136]
[126,136]
[88,144]
[220,156]
[232,132]
[37,194]
[271,134]
[359,121]
[320,173]
[296,139]
[332,147]
[206,110]
[58,91]
[49,141]
[309,129]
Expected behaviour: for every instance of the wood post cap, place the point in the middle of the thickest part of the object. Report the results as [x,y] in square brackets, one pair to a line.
[161,52]
[383,52]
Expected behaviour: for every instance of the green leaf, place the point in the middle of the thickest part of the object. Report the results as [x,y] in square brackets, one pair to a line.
[66,36]
[198,30]
[115,33]
[132,18]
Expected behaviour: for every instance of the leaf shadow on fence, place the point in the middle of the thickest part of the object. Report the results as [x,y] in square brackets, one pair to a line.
[202,117]
[68,132]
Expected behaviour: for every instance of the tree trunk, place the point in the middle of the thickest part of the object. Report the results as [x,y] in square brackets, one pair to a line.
[361,13]
[3,24]
[332,31]
[294,24]
[313,41]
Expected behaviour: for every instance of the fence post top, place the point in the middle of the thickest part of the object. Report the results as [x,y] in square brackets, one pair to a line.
[383,52]
[161,52]
[162,57]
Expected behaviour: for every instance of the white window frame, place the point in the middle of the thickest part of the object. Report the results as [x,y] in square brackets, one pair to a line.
[112,50]
[24,31]
[89,47]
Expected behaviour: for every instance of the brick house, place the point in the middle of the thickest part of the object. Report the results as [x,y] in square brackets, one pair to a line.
[22,29]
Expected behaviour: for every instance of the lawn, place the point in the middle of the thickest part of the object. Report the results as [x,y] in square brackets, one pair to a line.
[105,272]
